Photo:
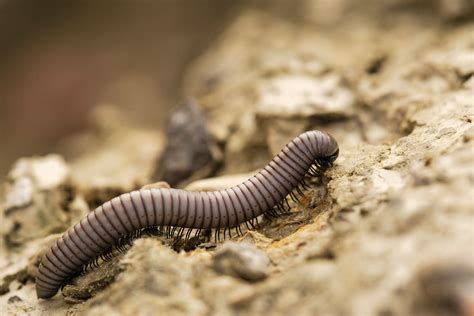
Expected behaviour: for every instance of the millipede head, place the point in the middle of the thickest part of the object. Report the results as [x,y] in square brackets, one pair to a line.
[321,145]
[331,146]
[333,157]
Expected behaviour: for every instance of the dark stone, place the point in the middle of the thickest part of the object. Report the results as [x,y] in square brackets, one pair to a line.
[189,147]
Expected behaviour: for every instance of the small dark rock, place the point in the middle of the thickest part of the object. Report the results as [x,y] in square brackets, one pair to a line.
[189,147]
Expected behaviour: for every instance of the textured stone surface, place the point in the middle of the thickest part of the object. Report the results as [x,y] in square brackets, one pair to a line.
[260,83]
[113,156]
[242,260]
[38,200]
[388,231]
[218,183]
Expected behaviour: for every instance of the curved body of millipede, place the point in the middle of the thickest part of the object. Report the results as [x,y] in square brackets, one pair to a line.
[263,194]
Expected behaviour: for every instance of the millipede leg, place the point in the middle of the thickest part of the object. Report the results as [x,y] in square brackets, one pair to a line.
[188,234]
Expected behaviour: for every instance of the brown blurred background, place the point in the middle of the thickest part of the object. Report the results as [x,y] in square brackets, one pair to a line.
[58,59]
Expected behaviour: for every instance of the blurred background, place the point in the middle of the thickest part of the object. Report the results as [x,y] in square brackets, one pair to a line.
[58,59]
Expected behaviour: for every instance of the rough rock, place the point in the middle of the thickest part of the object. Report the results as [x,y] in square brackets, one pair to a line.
[38,200]
[83,288]
[259,84]
[155,279]
[387,231]
[218,183]
[157,185]
[119,157]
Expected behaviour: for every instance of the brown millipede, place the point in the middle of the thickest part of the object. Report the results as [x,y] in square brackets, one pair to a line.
[131,213]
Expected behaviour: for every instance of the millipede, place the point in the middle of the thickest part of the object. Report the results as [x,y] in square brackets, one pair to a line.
[179,213]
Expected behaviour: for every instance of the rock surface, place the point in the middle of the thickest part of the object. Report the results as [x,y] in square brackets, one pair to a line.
[242,260]
[38,200]
[113,156]
[218,183]
[387,231]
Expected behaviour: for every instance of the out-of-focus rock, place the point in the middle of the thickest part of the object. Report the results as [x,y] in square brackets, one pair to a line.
[157,185]
[218,183]
[37,199]
[189,148]
[115,158]
[330,13]
[456,9]
[304,94]
[444,290]
[242,260]
[259,83]
[35,173]
[18,269]
[408,86]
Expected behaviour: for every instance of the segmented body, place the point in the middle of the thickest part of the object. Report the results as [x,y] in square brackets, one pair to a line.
[263,194]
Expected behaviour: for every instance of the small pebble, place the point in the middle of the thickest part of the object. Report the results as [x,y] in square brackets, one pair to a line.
[241,260]
[14,299]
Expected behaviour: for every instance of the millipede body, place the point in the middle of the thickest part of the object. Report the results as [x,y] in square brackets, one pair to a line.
[179,212]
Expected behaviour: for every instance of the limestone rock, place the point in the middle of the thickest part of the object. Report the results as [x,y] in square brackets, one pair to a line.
[37,199]
[218,183]
[264,87]
[119,157]
[241,260]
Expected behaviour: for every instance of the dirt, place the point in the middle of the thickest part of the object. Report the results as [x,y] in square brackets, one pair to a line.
[389,230]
